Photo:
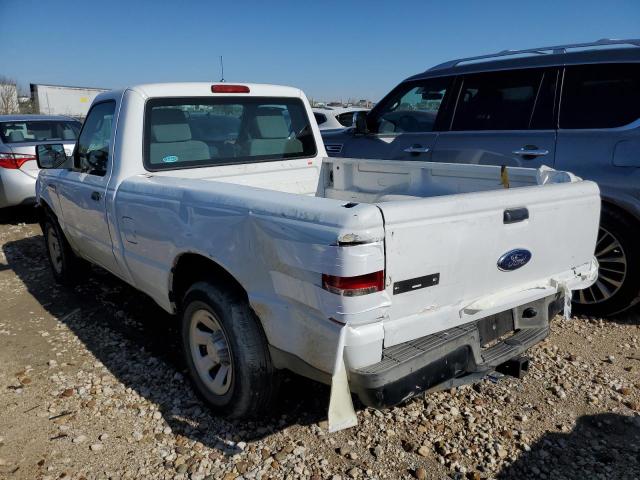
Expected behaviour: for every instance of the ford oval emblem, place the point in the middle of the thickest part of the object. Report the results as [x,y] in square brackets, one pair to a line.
[514,259]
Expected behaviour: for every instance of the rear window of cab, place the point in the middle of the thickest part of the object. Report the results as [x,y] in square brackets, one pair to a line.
[203,132]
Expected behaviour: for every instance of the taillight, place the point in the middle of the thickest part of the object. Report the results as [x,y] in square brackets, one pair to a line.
[14,160]
[224,88]
[354,286]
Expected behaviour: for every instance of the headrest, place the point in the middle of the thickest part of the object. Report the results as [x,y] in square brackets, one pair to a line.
[270,123]
[67,134]
[16,136]
[169,125]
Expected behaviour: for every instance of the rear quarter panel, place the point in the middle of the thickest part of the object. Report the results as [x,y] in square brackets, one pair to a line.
[276,245]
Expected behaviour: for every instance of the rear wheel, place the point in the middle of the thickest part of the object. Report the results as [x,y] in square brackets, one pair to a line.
[618,253]
[226,352]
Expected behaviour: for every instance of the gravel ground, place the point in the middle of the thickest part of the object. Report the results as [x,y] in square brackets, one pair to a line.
[92,386]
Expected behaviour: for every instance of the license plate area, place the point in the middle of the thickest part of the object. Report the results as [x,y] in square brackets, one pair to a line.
[495,326]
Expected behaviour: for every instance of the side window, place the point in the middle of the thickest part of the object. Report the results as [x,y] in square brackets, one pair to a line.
[92,153]
[544,113]
[600,96]
[413,107]
[345,119]
[497,100]
[320,118]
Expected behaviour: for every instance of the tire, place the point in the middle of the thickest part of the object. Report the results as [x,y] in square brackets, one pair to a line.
[226,352]
[66,266]
[618,252]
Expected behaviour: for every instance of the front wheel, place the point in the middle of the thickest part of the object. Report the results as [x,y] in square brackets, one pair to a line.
[226,352]
[65,264]
[618,253]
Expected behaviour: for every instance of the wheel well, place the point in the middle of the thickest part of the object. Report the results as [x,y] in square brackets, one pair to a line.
[43,210]
[193,267]
[621,211]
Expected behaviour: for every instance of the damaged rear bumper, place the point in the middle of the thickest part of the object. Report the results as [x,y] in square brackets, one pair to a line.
[414,367]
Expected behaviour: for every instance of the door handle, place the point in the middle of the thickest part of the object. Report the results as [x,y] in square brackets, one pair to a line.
[95,196]
[515,215]
[531,152]
[417,149]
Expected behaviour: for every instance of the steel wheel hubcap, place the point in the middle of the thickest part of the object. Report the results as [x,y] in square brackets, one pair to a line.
[210,352]
[612,273]
[55,252]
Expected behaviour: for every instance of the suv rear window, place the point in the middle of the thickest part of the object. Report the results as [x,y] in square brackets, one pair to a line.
[600,96]
[39,131]
[201,132]
[497,100]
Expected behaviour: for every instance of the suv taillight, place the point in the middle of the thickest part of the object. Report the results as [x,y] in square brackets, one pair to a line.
[14,160]
[354,286]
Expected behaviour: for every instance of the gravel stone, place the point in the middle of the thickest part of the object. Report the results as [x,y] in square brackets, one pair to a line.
[105,397]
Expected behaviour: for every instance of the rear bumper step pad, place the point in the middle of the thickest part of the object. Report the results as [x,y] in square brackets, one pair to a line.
[421,364]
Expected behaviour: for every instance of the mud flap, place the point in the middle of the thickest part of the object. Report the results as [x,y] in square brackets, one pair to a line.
[567,303]
[568,293]
[341,412]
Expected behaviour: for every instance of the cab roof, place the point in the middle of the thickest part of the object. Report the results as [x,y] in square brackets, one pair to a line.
[203,89]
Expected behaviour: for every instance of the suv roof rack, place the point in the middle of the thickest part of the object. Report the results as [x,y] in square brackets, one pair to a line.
[540,51]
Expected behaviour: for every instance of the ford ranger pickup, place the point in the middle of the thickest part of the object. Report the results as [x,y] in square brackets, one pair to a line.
[383,279]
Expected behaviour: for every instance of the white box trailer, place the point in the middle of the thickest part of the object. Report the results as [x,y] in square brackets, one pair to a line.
[63,100]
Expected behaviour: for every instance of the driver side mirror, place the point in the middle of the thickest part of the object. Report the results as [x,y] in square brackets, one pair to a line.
[51,156]
[360,123]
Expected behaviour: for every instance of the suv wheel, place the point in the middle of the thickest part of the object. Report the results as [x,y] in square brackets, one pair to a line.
[226,352]
[618,285]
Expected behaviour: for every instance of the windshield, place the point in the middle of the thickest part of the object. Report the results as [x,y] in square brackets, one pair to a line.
[39,131]
[413,107]
[200,132]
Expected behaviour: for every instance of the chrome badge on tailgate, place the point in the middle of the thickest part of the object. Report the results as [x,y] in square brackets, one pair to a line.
[514,259]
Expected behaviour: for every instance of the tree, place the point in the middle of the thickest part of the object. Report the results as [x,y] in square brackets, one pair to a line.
[8,96]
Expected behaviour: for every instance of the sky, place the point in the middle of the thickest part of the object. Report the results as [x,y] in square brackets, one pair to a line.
[333,50]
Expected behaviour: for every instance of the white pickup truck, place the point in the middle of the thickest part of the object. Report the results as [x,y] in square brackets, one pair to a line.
[381,278]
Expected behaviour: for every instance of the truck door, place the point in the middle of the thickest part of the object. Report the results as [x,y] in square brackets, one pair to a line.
[82,190]
[404,126]
[502,118]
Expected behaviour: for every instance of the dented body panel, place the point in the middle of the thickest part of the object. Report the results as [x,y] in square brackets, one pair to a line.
[437,232]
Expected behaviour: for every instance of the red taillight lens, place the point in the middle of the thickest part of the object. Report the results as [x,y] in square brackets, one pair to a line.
[14,160]
[229,89]
[354,286]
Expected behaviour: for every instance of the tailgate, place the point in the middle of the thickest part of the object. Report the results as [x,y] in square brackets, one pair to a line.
[443,252]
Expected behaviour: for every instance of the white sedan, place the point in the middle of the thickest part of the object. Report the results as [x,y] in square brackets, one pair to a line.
[332,118]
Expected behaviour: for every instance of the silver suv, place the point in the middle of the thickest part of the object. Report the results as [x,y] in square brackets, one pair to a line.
[572,107]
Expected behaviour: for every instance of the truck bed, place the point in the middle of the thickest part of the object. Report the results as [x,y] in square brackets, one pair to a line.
[371,181]
[442,223]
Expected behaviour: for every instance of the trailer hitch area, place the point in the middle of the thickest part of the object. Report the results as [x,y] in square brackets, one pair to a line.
[516,367]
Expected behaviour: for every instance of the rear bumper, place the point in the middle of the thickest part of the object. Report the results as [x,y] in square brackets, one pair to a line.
[16,188]
[413,367]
